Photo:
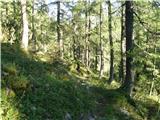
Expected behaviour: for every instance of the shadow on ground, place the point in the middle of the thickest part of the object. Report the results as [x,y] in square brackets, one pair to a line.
[36,90]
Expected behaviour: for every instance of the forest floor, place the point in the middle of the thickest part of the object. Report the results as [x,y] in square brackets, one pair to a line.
[33,88]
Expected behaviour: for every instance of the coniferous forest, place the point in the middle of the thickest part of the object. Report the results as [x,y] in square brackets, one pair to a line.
[80,59]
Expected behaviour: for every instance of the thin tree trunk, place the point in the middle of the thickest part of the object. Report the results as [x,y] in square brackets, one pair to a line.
[96,57]
[33,29]
[129,80]
[74,48]
[101,44]
[121,72]
[9,37]
[1,36]
[89,35]
[14,17]
[154,62]
[154,68]
[78,57]
[25,39]
[41,28]
[111,77]
[153,80]
[86,34]
[59,40]
[85,49]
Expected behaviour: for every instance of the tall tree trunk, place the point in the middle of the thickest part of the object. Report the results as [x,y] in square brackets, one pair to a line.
[121,70]
[33,29]
[85,43]
[96,57]
[101,44]
[25,39]
[14,17]
[129,80]
[59,40]
[9,37]
[153,79]
[154,60]
[111,43]
[1,36]
[86,34]
[89,34]
[74,48]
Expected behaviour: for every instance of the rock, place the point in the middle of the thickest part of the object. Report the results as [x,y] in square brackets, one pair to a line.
[4,74]
[81,116]
[90,116]
[67,117]
[125,112]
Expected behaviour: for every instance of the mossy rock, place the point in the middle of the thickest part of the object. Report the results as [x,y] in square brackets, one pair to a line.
[10,68]
[17,83]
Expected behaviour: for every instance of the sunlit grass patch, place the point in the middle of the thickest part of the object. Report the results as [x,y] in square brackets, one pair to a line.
[8,109]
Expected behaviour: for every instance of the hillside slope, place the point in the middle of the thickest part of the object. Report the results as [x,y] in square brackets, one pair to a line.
[54,90]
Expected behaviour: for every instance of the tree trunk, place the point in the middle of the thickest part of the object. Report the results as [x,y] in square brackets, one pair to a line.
[154,67]
[101,45]
[129,80]
[96,57]
[9,36]
[1,36]
[121,70]
[111,43]
[74,48]
[59,40]
[25,39]
[89,34]
[87,28]
[33,29]
[14,17]
[86,24]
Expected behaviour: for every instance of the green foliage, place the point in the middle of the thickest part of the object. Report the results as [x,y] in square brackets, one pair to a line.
[10,68]
[38,85]
[42,94]
[38,90]
[8,109]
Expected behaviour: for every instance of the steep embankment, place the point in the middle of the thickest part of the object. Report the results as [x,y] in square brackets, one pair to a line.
[36,90]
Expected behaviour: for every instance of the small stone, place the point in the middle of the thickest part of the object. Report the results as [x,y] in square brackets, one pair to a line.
[68,117]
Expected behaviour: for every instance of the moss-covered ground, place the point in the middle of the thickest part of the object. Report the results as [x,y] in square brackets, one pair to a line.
[32,89]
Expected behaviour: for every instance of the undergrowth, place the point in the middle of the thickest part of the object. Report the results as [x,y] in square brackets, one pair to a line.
[38,90]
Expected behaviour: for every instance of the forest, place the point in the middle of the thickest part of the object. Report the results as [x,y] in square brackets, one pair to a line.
[80,59]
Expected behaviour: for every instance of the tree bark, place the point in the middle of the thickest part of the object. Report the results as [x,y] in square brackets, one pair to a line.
[111,77]
[59,40]
[86,23]
[101,44]
[1,36]
[129,80]
[121,70]
[25,39]
[87,28]
[96,57]
[89,35]
[33,29]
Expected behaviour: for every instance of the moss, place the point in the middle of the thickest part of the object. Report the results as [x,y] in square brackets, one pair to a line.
[53,89]
[10,68]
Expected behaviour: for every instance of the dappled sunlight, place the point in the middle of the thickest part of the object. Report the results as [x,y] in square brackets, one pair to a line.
[80,60]
[39,87]
[9,105]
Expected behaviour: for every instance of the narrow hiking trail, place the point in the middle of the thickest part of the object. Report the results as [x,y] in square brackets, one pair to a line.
[33,89]
[80,60]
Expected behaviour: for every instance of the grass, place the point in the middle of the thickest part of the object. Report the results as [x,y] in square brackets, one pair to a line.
[36,90]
